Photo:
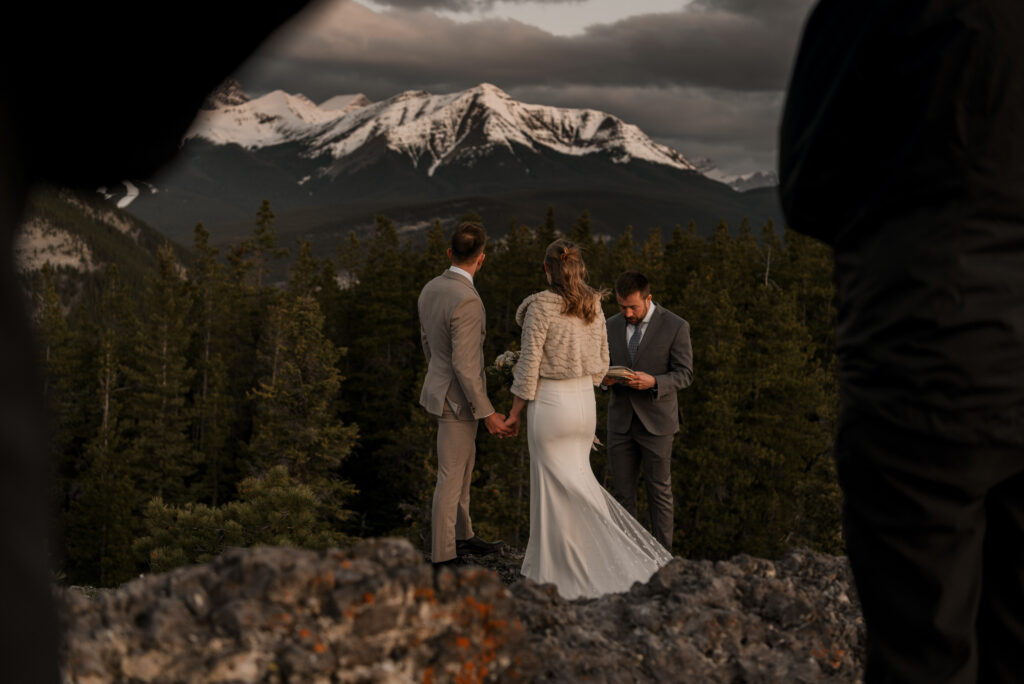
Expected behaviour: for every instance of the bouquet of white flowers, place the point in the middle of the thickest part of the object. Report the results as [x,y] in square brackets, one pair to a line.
[504,366]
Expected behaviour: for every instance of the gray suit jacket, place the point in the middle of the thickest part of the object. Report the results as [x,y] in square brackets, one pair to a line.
[452,331]
[665,353]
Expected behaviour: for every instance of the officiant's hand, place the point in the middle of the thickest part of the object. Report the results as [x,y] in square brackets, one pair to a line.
[609,381]
[495,424]
[642,381]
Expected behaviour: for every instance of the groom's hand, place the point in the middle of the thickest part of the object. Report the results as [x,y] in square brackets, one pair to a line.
[495,424]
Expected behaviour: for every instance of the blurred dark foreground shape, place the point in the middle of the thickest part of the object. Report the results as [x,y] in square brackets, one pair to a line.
[91,95]
[902,146]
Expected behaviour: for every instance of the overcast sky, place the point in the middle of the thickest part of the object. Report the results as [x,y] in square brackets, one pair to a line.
[703,76]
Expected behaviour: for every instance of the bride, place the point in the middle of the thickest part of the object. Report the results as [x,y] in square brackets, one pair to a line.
[581,539]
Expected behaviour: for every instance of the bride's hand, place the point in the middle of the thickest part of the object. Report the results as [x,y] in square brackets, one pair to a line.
[512,425]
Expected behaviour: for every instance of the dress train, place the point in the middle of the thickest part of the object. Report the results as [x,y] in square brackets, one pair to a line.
[581,539]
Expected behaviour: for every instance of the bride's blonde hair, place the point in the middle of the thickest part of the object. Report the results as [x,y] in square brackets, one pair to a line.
[569,279]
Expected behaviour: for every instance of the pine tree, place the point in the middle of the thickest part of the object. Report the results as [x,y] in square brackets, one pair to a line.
[652,256]
[53,330]
[295,423]
[547,232]
[264,243]
[624,253]
[601,269]
[304,274]
[213,410]
[350,259]
[59,372]
[161,378]
[435,258]
[513,269]
[581,232]
[100,522]
[272,509]
[385,361]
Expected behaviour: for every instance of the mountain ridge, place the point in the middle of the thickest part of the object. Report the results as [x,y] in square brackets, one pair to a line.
[427,149]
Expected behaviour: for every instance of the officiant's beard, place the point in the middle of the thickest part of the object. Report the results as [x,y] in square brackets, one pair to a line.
[633,320]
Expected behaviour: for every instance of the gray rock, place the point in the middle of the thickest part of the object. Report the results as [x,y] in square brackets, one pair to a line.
[376,612]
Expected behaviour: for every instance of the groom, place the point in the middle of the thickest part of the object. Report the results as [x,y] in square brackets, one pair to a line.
[643,413]
[455,391]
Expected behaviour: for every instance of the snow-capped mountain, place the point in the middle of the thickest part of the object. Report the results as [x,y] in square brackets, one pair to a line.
[333,166]
[432,131]
[752,181]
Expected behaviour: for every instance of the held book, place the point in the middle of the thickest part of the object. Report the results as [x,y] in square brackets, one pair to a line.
[620,372]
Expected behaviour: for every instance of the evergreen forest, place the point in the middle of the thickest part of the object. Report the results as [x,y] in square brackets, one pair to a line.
[212,403]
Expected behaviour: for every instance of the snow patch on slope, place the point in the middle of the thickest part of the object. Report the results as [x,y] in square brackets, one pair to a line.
[39,242]
[111,218]
[131,193]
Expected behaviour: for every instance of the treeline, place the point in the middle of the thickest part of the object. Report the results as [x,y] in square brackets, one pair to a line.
[214,408]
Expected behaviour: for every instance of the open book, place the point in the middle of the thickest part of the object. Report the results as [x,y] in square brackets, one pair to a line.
[620,372]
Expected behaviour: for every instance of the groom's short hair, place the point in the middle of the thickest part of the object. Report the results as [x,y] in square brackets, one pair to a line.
[468,241]
[630,282]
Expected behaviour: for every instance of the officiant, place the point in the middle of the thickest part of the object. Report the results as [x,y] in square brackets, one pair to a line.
[643,413]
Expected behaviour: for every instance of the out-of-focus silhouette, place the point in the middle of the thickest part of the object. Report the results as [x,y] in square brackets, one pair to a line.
[902,146]
[92,95]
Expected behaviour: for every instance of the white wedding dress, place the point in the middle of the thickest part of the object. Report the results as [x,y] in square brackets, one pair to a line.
[581,539]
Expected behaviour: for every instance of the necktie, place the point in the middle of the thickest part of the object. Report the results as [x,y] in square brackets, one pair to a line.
[634,344]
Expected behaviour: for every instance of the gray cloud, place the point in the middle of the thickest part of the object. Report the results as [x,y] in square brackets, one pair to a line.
[701,47]
[756,7]
[459,5]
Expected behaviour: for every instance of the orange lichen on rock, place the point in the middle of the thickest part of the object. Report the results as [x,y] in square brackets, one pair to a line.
[830,657]
[281,619]
[468,674]
[482,608]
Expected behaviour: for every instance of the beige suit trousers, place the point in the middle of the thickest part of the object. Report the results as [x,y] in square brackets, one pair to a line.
[456,454]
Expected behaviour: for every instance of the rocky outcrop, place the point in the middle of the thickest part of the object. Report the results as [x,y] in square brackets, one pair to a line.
[376,612]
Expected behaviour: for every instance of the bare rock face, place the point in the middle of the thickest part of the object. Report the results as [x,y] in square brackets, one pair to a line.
[745,620]
[376,612]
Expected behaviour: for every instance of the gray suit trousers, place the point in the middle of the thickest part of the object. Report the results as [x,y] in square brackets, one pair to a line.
[635,451]
[456,454]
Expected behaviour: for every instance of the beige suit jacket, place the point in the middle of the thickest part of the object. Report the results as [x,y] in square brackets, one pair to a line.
[452,328]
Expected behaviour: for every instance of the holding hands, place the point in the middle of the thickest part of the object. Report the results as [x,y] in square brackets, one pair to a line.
[512,423]
[497,425]
[514,420]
